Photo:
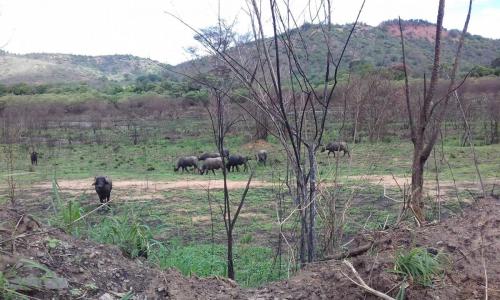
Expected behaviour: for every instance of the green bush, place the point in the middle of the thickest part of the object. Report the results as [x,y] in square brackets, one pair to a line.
[197,96]
[132,237]
[420,266]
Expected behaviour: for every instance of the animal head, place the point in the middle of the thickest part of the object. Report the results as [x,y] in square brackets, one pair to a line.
[101,181]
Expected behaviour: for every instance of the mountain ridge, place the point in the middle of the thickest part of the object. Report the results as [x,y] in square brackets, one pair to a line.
[371,48]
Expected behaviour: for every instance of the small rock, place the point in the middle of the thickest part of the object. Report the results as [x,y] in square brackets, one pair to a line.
[160,289]
[106,296]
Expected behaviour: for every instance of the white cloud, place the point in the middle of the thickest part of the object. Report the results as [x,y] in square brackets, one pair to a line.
[142,28]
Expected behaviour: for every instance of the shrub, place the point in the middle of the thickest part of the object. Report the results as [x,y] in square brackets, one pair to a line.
[133,239]
[420,266]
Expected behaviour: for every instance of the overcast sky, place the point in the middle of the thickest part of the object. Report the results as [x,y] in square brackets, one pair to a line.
[142,28]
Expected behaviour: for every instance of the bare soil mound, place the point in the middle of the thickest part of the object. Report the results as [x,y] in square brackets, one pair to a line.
[466,241]
[55,265]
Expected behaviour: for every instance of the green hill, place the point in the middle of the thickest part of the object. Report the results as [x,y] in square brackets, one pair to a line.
[42,68]
[379,47]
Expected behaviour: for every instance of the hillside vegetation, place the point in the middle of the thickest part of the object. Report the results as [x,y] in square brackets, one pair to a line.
[43,68]
[379,48]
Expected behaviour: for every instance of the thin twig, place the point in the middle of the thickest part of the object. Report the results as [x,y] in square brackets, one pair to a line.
[362,283]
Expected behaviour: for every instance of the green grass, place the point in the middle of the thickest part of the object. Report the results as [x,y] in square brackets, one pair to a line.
[253,265]
[419,266]
[131,236]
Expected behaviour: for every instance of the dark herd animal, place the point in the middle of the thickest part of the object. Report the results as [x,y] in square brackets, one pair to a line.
[103,187]
[262,156]
[34,158]
[336,147]
[186,162]
[211,164]
[235,161]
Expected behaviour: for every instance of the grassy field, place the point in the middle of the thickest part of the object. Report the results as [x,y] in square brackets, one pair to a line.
[180,227]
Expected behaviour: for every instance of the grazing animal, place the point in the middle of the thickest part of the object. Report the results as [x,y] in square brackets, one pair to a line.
[235,161]
[262,156]
[208,155]
[185,162]
[103,186]
[336,146]
[211,164]
[34,158]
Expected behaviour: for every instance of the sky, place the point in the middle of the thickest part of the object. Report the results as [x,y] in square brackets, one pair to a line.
[143,28]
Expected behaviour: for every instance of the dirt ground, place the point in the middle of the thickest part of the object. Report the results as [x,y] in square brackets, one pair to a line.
[83,184]
[81,269]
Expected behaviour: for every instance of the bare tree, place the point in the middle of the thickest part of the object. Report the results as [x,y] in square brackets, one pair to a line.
[220,84]
[275,74]
[425,124]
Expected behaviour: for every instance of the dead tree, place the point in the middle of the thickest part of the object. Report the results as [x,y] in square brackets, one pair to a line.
[425,123]
[219,82]
[275,74]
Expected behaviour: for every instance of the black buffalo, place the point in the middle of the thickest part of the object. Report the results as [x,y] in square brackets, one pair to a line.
[336,147]
[103,186]
[262,156]
[234,161]
[185,162]
[34,158]
[211,164]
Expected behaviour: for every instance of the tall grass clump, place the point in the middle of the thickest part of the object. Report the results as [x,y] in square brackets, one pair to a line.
[66,213]
[254,266]
[133,238]
[420,266]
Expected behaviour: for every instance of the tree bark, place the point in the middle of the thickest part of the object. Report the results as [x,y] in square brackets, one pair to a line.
[230,266]
[417,183]
[313,168]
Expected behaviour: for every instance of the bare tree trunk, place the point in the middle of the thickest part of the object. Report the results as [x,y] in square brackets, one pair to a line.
[313,169]
[261,126]
[230,265]
[425,125]
[417,183]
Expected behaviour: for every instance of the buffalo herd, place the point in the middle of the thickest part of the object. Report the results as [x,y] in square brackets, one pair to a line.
[203,164]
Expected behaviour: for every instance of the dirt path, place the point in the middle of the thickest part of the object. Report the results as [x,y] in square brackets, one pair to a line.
[85,184]
[445,186]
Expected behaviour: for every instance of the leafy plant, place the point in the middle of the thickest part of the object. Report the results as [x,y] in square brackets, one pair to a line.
[133,238]
[420,266]
[66,213]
